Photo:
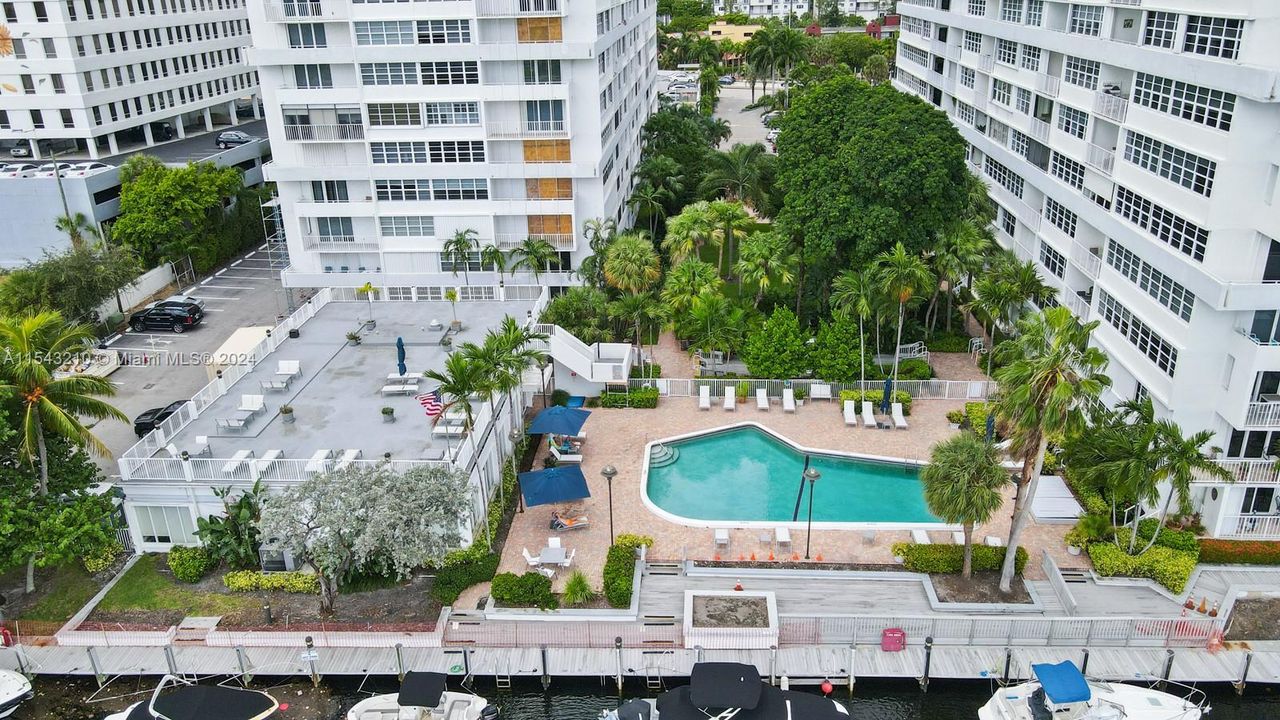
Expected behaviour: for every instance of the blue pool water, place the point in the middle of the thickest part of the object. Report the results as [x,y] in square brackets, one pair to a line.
[746,474]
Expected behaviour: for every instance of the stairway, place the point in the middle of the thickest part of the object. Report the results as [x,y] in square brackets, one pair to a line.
[1075,576]
[663,455]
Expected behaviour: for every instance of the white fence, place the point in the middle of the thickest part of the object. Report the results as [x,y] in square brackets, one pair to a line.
[1002,631]
[1057,582]
[917,389]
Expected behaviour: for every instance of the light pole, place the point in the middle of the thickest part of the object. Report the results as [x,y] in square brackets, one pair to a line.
[515,442]
[608,472]
[812,476]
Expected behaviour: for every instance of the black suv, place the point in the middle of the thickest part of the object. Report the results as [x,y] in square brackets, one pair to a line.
[230,138]
[178,317]
[147,421]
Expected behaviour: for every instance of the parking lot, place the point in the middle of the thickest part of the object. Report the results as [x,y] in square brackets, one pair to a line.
[160,367]
[745,124]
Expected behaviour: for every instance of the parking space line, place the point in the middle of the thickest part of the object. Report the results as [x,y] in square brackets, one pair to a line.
[219,297]
[245,277]
[251,253]
[228,287]
[264,247]
[236,263]
[219,273]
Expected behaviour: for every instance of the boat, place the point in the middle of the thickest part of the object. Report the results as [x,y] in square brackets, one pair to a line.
[188,701]
[724,691]
[1062,692]
[15,689]
[423,696]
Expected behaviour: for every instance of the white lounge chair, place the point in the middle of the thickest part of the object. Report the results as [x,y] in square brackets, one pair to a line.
[568,559]
[288,369]
[448,431]
[348,457]
[820,392]
[263,464]
[788,400]
[704,397]
[172,450]
[868,414]
[762,399]
[994,541]
[730,399]
[850,413]
[565,457]
[407,377]
[240,458]
[533,561]
[899,420]
[252,404]
[722,538]
[409,388]
[319,462]
[920,537]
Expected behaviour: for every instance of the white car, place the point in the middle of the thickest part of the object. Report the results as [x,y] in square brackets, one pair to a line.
[47,170]
[18,170]
[682,78]
[87,168]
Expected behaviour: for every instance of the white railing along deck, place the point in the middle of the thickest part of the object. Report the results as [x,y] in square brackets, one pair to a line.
[520,8]
[1263,414]
[1253,527]
[1246,472]
[1100,158]
[324,133]
[1112,107]
[300,9]
[917,389]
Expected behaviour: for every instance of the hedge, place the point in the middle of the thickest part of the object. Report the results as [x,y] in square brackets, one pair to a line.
[1241,552]
[1090,497]
[288,582]
[948,343]
[1183,540]
[914,369]
[452,579]
[527,590]
[646,398]
[190,563]
[976,413]
[619,567]
[950,558]
[875,396]
[1171,568]
[100,558]
[646,370]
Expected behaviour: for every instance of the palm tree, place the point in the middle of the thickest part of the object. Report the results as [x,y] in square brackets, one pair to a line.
[739,174]
[731,222]
[962,485]
[649,202]
[631,264]
[462,377]
[766,259]
[689,231]
[535,255]
[34,347]
[852,293]
[686,281]
[493,255]
[760,57]
[992,298]
[457,250]
[663,173]
[77,227]
[787,47]
[641,310]
[712,323]
[1182,461]
[718,130]
[1026,283]
[957,253]
[598,233]
[901,275]
[1052,377]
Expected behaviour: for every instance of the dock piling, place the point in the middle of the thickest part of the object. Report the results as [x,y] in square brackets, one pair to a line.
[310,655]
[93,663]
[1008,662]
[1244,673]
[853,676]
[697,650]
[1084,662]
[21,655]
[400,662]
[1168,666]
[928,658]
[617,647]
[773,664]
[466,663]
[170,660]
[546,675]
[246,675]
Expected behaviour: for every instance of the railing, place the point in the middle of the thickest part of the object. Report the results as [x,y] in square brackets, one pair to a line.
[1112,107]
[1263,414]
[917,389]
[580,634]
[289,82]
[1130,3]
[1100,157]
[528,129]
[953,52]
[339,243]
[324,133]
[283,11]
[521,8]
[1056,581]
[1001,630]
[1088,262]
[251,469]
[987,63]
[1039,129]
[1048,84]
[1254,527]
[1244,471]
[1077,305]
[1253,337]
[511,241]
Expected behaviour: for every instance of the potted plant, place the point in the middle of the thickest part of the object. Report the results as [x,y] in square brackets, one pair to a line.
[742,391]
[388,414]
[800,394]
[1089,529]
[452,296]
[954,418]
[446,342]
[353,338]
[369,290]
[286,414]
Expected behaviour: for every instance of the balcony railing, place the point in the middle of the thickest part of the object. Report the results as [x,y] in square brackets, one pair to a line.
[1077,305]
[286,11]
[1263,414]
[1085,260]
[1250,472]
[1253,337]
[1048,85]
[519,8]
[987,63]
[1111,107]
[1100,158]
[339,243]
[324,133]
[1039,130]
[529,129]
[291,83]
[1253,527]
[511,241]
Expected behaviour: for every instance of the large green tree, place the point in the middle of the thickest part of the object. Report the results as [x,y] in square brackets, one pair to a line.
[962,485]
[74,282]
[631,264]
[839,353]
[901,276]
[779,348]
[686,281]
[167,213]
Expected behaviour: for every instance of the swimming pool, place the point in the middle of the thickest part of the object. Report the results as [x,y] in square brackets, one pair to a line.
[744,474]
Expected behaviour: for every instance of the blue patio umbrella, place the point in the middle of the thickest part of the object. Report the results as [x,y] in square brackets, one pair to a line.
[561,483]
[888,396]
[991,426]
[559,420]
[400,356]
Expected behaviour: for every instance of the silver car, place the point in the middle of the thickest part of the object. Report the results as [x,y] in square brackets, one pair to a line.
[18,170]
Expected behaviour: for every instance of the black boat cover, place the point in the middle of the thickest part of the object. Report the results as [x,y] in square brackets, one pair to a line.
[421,689]
[678,705]
[207,702]
[725,685]
[635,710]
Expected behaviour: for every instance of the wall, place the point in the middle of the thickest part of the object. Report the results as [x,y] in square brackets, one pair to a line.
[147,284]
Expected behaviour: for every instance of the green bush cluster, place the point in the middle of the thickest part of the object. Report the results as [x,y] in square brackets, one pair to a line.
[559,397]
[577,590]
[875,396]
[1242,552]
[645,398]
[288,582]
[1173,539]
[942,342]
[451,580]
[1171,568]
[914,369]
[527,590]
[1090,497]
[619,566]
[101,557]
[645,370]
[976,414]
[190,563]
[950,558]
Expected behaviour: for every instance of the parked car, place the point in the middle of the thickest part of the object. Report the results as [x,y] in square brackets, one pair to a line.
[726,80]
[147,421]
[231,138]
[682,77]
[47,170]
[20,150]
[85,169]
[681,88]
[771,118]
[176,300]
[772,136]
[18,170]
[178,317]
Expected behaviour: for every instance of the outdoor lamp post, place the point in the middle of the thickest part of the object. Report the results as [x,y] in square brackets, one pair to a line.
[812,476]
[515,442]
[608,472]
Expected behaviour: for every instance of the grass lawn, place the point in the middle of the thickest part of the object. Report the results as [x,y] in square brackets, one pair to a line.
[145,587]
[72,587]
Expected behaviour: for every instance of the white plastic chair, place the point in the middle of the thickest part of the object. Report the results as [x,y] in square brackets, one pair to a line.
[533,561]
[568,559]
[788,400]
[553,542]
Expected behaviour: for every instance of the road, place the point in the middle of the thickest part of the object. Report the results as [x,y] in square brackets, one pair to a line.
[746,124]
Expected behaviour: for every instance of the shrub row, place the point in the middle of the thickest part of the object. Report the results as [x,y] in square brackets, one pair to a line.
[875,396]
[976,414]
[646,398]
[1243,552]
[619,566]
[522,591]
[190,563]
[452,579]
[1171,568]
[100,558]
[1183,540]
[646,370]
[289,582]
[941,342]
[1090,497]
[950,558]
[914,369]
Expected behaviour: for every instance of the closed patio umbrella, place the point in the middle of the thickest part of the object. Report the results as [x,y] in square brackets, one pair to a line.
[400,357]
[888,396]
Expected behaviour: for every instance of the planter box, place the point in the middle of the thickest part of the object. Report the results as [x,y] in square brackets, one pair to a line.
[709,619]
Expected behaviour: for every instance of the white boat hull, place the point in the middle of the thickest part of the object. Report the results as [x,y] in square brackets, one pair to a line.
[14,690]
[453,706]
[1110,701]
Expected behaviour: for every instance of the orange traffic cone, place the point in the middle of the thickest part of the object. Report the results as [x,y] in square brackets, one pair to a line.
[737,587]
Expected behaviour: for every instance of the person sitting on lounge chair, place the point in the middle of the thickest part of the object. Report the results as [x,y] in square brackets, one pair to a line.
[570,523]
[565,445]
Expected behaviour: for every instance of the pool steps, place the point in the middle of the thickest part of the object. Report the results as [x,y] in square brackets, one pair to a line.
[663,455]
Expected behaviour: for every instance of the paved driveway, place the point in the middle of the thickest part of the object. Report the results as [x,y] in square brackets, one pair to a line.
[746,124]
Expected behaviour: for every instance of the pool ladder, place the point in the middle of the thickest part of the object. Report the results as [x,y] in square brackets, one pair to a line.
[663,455]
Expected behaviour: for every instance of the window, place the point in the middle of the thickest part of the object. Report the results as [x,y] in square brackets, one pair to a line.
[1258,501]
[1171,163]
[1067,170]
[42,15]
[1215,37]
[1031,57]
[1008,222]
[967,77]
[1164,355]
[1019,143]
[1212,108]
[541,72]
[444,32]
[1086,20]
[385,32]
[1072,121]
[914,54]
[548,188]
[1006,52]
[544,115]
[10,12]
[329,190]
[1035,12]
[1161,29]
[389,73]
[538,30]
[157,524]
[460,189]
[313,76]
[550,224]
[1176,231]
[478,292]
[1001,91]
[1061,218]
[1176,298]
[47,46]
[309,35]
[456,151]
[965,112]
[1052,260]
[1011,11]
[1079,71]
[538,151]
[398,190]
[451,73]
[384,153]
[386,114]
[472,264]
[37,119]
[1006,178]
[1023,101]
[335,229]
[978,8]
[972,41]
[407,226]
[452,113]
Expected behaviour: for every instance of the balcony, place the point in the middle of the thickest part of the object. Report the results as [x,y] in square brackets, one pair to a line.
[290,82]
[324,133]
[519,8]
[1263,415]
[1039,130]
[1248,472]
[1100,158]
[339,243]
[987,63]
[511,241]
[1048,85]
[1251,527]
[1088,262]
[289,11]
[1112,107]
[1077,305]
[528,129]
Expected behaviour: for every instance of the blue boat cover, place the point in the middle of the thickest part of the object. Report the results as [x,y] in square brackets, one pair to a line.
[561,483]
[1062,683]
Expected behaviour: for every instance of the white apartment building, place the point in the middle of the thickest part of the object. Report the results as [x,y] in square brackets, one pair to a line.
[91,77]
[396,124]
[783,9]
[1132,149]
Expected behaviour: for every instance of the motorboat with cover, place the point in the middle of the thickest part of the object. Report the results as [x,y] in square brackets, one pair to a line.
[15,689]
[423,696]
[188,701]
[729,691]
[1061,692]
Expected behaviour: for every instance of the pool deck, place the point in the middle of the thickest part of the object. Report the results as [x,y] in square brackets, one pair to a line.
[619,436]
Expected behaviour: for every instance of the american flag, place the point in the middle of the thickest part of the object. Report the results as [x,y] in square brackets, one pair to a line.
[431,402]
